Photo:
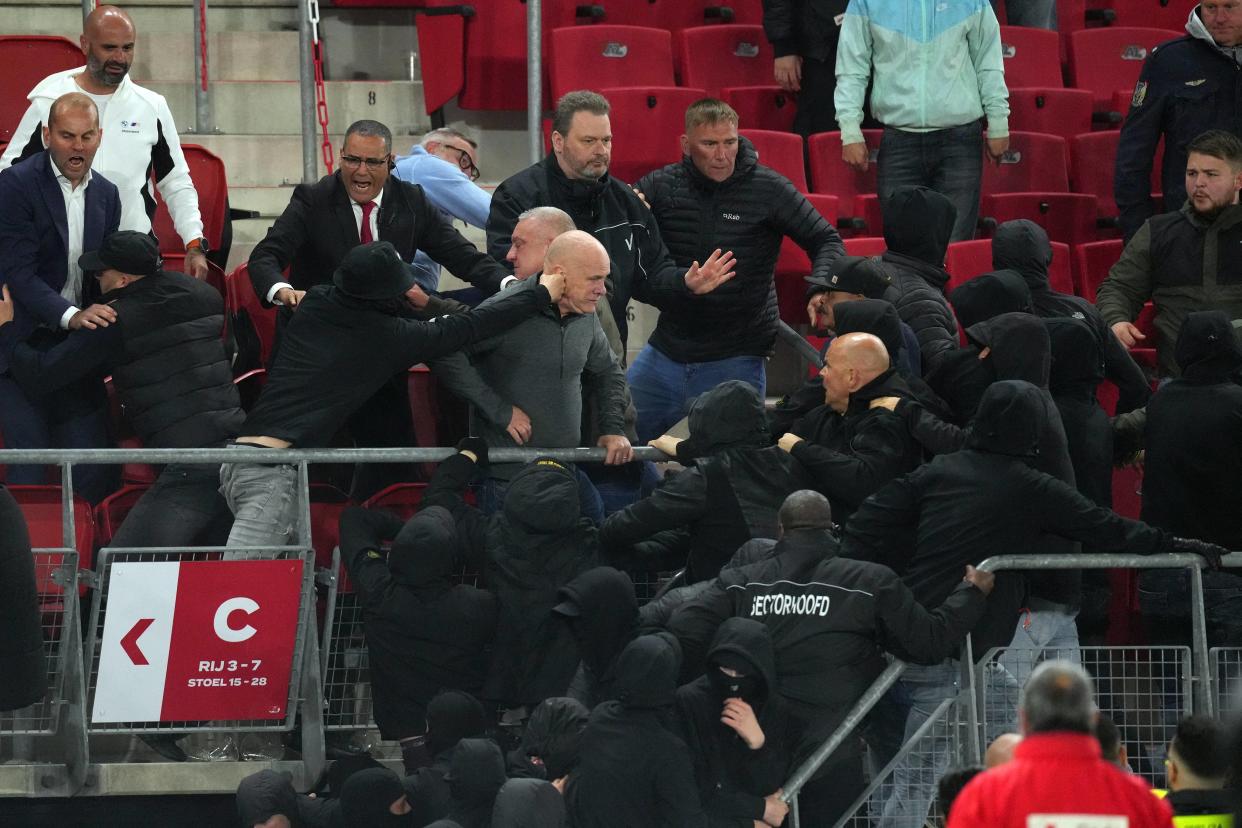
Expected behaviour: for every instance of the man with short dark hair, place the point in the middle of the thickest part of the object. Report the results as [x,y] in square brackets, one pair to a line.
[719,196]
[1198,768]
[1057,776]
[1183,261]
[574,177]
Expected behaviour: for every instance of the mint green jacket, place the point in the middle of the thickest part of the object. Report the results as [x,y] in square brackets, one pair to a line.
[937,65]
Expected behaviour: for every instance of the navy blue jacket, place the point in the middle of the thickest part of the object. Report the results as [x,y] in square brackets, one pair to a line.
[34,233]
[1186,88]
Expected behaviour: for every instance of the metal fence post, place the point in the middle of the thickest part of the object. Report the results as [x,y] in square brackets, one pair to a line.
[202,100]
[1204,698]
[306,82]
[534,78]
[73,715]
[313,745]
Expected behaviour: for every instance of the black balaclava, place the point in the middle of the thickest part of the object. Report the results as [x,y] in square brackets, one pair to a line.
[452,716]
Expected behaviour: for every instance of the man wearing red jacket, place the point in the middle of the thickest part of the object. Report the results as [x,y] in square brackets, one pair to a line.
[1058,778]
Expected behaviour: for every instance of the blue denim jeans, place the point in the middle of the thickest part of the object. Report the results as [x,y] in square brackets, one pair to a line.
[492,492]
[663,389]
[620,486]
[1164,598]
[949,161]
[263,499]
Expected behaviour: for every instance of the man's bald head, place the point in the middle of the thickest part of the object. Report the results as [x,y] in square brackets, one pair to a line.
[73,102]
[531,236]
[852,361]
[1001,750]
[586,265]
[805,509]
[107,40]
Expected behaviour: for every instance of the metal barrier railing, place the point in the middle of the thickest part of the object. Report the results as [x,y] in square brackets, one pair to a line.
[1227,672]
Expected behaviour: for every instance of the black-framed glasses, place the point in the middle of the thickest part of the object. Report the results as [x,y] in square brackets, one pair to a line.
[354,162]
[465,162]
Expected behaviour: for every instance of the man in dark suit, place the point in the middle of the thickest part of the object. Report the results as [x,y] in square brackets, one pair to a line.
[52,209]
[361,203]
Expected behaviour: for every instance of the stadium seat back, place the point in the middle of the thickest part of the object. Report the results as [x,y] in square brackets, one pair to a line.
[253,325]
[28,59]
[111,512]
[175,262]
[781,151]
[965,260]
[865,246]
[1161,14]
[793,265]
[1032,57]
[1034,162]
[41,507]
[762,107]
[1092,263]
[647,125]
[831,176]
[211,184]
[1109,59]
[1093,164]
[723,56]
[1064,112]
[326,504]
[594,57]
[1067,217]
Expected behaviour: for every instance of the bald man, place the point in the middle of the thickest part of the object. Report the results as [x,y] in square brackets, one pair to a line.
[528,385]
[53,209]
[851,447]
[139,138]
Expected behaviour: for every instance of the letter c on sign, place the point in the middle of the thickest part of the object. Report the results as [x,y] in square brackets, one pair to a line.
[227,633]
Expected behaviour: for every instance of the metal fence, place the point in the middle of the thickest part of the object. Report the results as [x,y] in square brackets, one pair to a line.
[1227,669]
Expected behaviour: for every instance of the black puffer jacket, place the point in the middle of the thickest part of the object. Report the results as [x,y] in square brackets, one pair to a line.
[1023,246]
[918,224]
[749,213]
[424,634]
[731,495]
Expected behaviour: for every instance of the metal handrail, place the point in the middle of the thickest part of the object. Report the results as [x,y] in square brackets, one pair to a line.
[290,456]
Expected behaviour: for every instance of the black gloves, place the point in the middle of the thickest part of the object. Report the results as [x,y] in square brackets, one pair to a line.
[476,446]
[1210,552]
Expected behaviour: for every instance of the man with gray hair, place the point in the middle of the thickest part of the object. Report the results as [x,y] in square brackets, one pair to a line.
[1058,776]
[445,163]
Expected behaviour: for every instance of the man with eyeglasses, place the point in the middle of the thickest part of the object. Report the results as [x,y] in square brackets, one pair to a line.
[445,164]
[358,204]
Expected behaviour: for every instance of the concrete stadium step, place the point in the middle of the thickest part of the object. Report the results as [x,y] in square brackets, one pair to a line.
[64,17]
[231,56]
[274,107]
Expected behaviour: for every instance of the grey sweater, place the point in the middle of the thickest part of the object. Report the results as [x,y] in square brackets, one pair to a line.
[546,366]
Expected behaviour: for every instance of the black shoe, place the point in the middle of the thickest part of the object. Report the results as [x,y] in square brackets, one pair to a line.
[165,746]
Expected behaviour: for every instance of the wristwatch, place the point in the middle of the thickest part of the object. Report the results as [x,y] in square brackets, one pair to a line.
[200,245]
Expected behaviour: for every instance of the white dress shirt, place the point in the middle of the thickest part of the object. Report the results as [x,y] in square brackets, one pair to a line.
[279,286]
[75,213]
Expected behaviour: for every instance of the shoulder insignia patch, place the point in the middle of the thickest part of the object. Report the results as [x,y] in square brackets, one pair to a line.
[1140,94]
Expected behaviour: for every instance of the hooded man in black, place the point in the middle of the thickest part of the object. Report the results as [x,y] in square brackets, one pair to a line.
[633,768]
[1022,246]
[529,803]
[476,773]
[738,729]
[536,545]
[423,633]
[600,610]
[918,224]
[375,798]
[267,794]
[451,716]
[738,482]
[964,507]
[1194,450]
[831,619]
[549,747]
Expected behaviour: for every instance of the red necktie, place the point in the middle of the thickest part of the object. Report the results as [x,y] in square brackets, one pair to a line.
[364,234]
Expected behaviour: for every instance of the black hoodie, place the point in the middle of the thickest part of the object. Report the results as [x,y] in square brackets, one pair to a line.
[749,213]
[985,500]
[601,611]
[633,768]
[1023,246]
[1194,437]
[529,803]
[732,778]
[265,794]
[550,742]
[476,773]
[423,633]
[451,717]
[731,495]
[367,797]
[918,224]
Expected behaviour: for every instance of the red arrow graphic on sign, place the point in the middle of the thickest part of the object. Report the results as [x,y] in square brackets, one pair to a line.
[130,642]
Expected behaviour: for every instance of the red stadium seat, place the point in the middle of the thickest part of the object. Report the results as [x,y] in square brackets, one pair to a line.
[400,498]
[781,151]
[1064,112]
[965,260]
[1162,14]
[247,315]
[1031,57]
[326,504]
[211,184]
[1092,263]
[647,125]
[439,418]
[215,276]
[830,175]
[1067,217]
[762,107]
[719,57]
[28,59]
[123,435]
[111,511]
[675,15]
[1093,163]
[41,506]
[793,265]
[865,246]
[1061,270]
[1034,162]
[1110,59]
[592,57]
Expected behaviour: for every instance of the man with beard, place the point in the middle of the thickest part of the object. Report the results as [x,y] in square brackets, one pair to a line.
[1184,261]
[139,139]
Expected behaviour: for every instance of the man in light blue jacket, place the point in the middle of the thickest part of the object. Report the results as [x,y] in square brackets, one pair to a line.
[938,73]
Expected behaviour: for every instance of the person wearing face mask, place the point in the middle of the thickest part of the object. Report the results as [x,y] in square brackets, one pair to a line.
[375,798]
[738,729]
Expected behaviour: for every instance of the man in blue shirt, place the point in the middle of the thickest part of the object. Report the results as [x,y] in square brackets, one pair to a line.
[445,164]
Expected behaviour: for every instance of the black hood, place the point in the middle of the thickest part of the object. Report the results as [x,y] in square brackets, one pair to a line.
[747,641]
[265,794]
[1009,421]
[368,795]
[646,672]
[424,550]
[476,772]
[603,613]
[1019,343]
[873,316]
[1207,348]
[747,159]
[729,416]
[542,498]
[554,732]
[1022,246]
[989,295]
[452,716]
[1077,363]
[918,222]
[529,803]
